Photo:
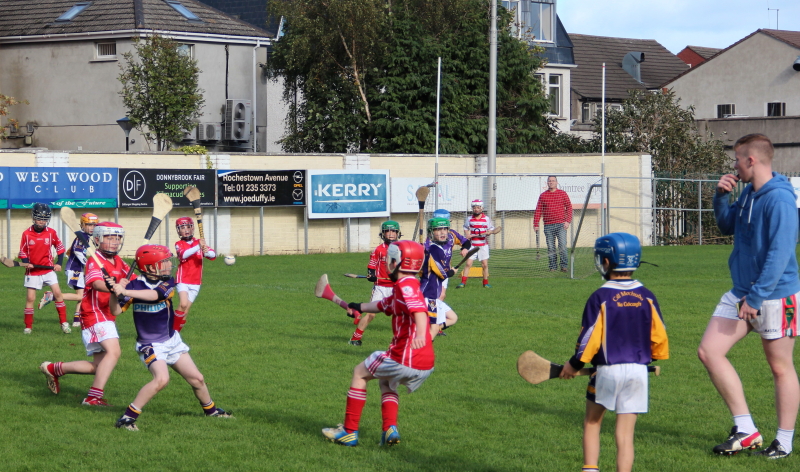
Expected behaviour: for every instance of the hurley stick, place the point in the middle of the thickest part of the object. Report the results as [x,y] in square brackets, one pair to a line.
[193,194]
[422,195]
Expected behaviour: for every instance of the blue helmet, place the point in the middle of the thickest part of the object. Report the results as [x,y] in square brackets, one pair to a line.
[623,251]
[441,213]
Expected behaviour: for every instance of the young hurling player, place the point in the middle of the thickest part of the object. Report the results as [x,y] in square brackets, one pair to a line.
[157,343]
[191,252]
[453,238]
[35,249]
[376,273]
[99,328]
[409,359]
[621,332]
[435,270]
[76,260]
[477,227]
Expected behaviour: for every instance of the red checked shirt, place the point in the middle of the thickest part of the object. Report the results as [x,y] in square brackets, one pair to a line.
[406,299]
[554,207]
[377,262]
[478,226]
[94,305]
[190,270]
[36,248]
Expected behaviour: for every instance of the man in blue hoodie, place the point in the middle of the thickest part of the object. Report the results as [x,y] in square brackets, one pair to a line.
[764,296]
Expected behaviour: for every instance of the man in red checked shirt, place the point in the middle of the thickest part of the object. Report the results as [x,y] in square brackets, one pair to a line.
[556,209]
[409,359]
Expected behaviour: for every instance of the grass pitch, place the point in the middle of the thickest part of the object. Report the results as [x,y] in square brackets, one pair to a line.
[278,357]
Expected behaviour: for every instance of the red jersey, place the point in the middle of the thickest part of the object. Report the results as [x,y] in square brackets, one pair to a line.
[377,262]
[94,305]
[190,270]
[478,226]
[406,298]
[554,206]
[36,248]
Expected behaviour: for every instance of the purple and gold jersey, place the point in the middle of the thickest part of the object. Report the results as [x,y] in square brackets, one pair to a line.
[434,269]
[77,255]
[153,320]
[622,324]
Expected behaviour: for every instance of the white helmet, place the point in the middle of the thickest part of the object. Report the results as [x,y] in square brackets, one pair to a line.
[477,202]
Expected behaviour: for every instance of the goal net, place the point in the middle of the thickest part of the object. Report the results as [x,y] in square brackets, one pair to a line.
[517,250]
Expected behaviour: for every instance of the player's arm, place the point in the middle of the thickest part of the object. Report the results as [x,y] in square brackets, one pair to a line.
[208,251]
[724,210]
[372,266]
[659,343]
[422,325]
[537,214]
[369,307]
[143,295]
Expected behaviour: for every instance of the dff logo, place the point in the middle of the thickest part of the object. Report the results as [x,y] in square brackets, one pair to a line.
[133,185]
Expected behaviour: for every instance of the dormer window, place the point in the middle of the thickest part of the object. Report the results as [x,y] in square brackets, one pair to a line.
[178,6]
[73,12]
[536,18]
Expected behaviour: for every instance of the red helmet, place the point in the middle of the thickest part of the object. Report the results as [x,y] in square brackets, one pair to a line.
[184,220]
[154,261]
[405,256]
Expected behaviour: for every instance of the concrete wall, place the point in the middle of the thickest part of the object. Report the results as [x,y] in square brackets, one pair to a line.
[239,230]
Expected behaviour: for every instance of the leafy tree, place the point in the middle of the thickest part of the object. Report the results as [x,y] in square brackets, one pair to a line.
[392,105]
[160,89]
[5,103]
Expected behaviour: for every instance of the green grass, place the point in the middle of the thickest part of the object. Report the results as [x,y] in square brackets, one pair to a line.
[278,358]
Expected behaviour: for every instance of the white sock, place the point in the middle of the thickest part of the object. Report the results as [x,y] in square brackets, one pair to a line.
[785,437]
[744,424]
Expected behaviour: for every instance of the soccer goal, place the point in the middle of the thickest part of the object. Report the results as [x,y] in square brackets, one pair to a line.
[519,250]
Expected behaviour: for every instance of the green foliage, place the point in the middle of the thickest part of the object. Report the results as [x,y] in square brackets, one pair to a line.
[385,100]
[160,89]
[5,103]
[193,149]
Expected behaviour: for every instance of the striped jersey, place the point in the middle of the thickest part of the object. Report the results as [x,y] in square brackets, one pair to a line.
[478,226]
[190,270]
[406,298]
[94,305]
[36,248]
[622,324]
[153,319]
[434,268]
[377,262]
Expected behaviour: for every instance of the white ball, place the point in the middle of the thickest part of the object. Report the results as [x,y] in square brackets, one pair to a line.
[230,260]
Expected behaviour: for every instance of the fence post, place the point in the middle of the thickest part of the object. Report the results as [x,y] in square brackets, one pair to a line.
[700,212]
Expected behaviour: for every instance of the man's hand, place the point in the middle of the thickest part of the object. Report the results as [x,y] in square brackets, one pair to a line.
[746,312]
[727,183]
[566,225]
[568,372]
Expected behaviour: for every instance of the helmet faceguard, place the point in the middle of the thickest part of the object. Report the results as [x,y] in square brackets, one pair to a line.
[390,231]
[88,222]
[477,207]
[40,213]
[435,227]
[404,256]
[622,250]
[155,262]
[108,238]
[185,227]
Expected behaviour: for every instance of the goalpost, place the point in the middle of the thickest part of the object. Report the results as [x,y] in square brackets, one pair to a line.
[517,251]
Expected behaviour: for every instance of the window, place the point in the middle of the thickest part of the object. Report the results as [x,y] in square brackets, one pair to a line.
[186,50]
[106,50]
[776,109]
[73,12]
[554,92]
[586,112]
[723,111]
[178,6]
[537,18]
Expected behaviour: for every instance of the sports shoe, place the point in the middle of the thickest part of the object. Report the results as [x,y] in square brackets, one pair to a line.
[356,342]
[76,322]
[340,436]
[27,331]
[46,298]
[94,401]
[738,442]
[65,328]
[390,437]
[441,333]
[461,285]
[52,380]
[126,422]
[773,451]
[487,286]
[220,413]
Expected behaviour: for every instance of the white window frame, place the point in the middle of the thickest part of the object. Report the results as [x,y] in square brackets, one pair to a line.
[522,14]
[723,115]
[186,47]
[105,57]
[781,106]
[558,88]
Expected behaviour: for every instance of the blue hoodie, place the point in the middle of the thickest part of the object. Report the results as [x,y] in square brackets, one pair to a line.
[763,264]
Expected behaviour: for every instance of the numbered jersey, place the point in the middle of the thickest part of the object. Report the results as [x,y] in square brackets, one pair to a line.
[190,270]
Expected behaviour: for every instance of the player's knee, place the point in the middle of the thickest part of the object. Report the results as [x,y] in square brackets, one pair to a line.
[196,381]
[160,382]
[703,355]
[452,318]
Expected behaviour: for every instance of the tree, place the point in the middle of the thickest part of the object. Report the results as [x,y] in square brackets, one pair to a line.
[5,103]
[385,100]
[160,89]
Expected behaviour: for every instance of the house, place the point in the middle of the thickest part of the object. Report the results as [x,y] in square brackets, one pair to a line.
[64,58]
[695,55]
[539,24]
[250,11]
[631,64]
[750,86]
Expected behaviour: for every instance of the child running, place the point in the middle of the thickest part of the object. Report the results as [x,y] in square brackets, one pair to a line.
[191,252]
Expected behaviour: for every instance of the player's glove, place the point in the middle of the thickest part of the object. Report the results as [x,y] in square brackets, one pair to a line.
[354,306]
[450,273]
[371,276]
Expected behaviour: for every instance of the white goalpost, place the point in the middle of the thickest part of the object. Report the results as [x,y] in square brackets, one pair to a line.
[517,251]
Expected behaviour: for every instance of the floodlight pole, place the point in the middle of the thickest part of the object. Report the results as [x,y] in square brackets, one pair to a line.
[604,212]
[127,125]
[492,141]
[436,165]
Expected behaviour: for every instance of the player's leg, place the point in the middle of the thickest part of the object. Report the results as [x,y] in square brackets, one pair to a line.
[550,240]
[779,353]
[186,367]
[104,363]
[626,422]
[484,258]
[592,423]
[30,297]
[465,274]
[390,405]
[160,372]
[76,318]
[61,307]
[347,434]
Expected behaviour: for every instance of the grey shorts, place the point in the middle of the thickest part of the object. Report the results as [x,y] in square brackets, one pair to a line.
[384,367]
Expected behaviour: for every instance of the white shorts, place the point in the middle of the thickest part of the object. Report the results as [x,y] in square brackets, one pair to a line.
[94,335]
[191,289]
[75,279]
[441,308]
[379,292]
[482,254]
[444,284]
[38,281]
[384,367]
[771,323]
[620,387]
[169,351]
